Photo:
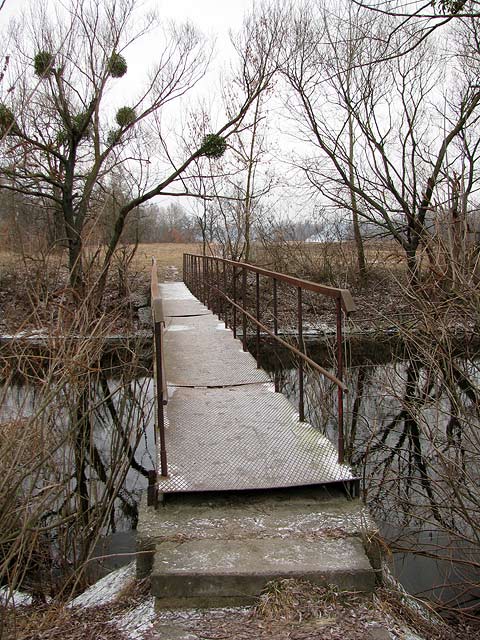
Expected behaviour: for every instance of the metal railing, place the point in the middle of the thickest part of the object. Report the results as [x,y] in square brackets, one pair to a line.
[160,383]
[222,285]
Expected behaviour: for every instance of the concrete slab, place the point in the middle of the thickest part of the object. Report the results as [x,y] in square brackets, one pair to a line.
[239,569]
[312,513]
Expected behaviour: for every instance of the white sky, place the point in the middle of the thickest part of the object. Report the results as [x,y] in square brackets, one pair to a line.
[214,17]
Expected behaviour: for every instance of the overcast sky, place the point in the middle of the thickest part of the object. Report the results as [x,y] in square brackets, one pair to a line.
[211,16]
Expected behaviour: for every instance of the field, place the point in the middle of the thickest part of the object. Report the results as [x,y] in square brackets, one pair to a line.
[33,283]
[169,257]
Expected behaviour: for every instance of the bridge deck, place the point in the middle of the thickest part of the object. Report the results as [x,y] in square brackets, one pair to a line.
[226,428]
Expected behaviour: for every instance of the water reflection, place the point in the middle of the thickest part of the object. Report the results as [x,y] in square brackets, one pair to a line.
[75,459]
[413,436]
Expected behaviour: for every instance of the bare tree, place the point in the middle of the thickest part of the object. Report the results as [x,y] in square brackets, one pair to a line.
[63,142]
[401,124]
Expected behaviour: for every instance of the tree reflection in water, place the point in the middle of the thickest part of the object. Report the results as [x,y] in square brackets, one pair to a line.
[412,433]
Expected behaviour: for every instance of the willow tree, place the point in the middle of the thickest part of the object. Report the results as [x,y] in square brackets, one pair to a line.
[76,111]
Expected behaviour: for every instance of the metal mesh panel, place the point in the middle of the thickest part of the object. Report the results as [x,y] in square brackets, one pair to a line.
[243,438]
[200,352]
[178,301]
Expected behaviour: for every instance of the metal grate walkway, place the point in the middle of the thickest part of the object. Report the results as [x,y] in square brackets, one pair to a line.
[226,428]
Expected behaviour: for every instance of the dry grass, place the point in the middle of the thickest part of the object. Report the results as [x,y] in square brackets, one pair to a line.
[167,255]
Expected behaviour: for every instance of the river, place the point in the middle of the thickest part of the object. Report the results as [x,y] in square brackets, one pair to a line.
[414,444]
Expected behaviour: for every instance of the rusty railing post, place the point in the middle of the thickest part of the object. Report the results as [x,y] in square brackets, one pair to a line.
[234,310]
[244,307]
[301,406]
[275,329]
[210,283]
[160,384]
[341,443]
[204,280]
[257,316]
[199,279]
[224,299]
[209,291]
[218,307]
[160,395]
[199,284]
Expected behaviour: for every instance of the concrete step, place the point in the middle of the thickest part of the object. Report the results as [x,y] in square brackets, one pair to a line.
[220,549]
[219,573]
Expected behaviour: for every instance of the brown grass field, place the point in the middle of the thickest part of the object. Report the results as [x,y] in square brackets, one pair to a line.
[169,257]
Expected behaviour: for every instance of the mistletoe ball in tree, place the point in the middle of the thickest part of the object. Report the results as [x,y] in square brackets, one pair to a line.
[125,116]
[43,63]
[117,65]
[213,146]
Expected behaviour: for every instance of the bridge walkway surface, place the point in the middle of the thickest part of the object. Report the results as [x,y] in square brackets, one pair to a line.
[226,428]
[252,494]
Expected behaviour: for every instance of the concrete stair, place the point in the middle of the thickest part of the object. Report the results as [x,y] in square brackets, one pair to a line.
[214,550]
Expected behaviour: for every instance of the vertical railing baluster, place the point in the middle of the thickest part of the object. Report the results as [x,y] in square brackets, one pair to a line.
[204,280]
[218,308]
[341,444]
[195,280]
[244,307]
[234,310]
[160,393]
[209,282]
[275,330]
[257,316]
[301,406]
[224,299]
[199,277]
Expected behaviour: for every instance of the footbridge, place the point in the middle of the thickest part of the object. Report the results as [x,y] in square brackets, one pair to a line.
[246,489]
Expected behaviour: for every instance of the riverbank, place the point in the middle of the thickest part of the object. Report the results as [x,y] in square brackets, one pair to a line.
[119,607]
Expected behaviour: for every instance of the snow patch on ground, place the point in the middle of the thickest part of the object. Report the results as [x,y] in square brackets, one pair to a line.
[106,589]
[137,621]
[14,598]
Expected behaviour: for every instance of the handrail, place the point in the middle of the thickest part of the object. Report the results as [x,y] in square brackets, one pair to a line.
[344,295]
[203,276]
[161,393]
[291,348]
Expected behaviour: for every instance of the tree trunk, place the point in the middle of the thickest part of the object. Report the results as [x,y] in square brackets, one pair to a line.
[413,267]
[362,267]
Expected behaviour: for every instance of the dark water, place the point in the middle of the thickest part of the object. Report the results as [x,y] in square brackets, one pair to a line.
[415,445]
[414,439]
